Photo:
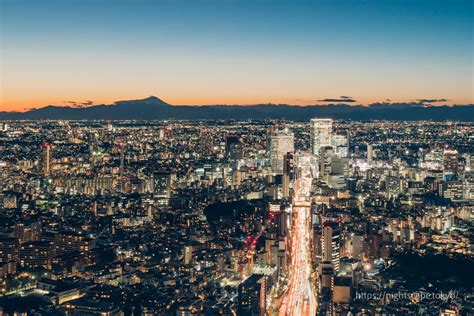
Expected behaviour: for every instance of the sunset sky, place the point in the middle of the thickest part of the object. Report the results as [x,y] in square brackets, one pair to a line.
[235,51]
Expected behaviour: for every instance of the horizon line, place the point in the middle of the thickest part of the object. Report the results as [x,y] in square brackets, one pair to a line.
[348,102]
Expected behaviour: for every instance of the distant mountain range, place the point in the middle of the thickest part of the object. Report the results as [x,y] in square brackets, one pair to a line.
[153,108]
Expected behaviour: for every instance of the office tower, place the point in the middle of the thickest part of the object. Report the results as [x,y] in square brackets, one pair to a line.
[289,165]
[331,244]
[320,134]
[370,153]
[253,296]
[450,162]
[326,153]
[46,159]
[122,160]
[340,142]
[335,172]
[234,150]
[281,143]
[288,173]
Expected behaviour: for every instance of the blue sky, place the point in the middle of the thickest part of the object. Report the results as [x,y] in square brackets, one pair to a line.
[225,51]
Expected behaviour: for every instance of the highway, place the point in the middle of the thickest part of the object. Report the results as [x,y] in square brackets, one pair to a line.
[299,298]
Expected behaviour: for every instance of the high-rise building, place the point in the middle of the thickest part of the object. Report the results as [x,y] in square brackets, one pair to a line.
[253,296]
[289,165]
[122,160]
[288,173]
[331,244]
[340,142]
[281,143]
[326,285]
[325,155]
[321,134]
[450,161]
[46,159]
[234,148]
[34,254]
[370,153]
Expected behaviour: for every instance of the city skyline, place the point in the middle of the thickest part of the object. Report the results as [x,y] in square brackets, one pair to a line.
[235,52]
[236,217]
[236,157]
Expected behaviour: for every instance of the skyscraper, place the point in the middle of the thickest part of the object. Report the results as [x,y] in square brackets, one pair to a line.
[450,162]
[46,159]
[281,143]
[320,133]
[325,155]
[331,244]
[370,153]
[288,173]
[122,160]
[289,165]
[340,142]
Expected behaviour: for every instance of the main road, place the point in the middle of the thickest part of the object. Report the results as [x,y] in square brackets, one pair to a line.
[300,299]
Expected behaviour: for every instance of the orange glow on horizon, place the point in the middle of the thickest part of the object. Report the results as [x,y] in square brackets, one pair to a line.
[25,104]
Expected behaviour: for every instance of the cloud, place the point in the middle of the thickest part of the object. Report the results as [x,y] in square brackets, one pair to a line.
[397,104]
[432,100]
[338,100]
[76,104]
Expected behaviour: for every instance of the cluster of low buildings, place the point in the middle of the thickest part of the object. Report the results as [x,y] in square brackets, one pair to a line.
[195,218]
